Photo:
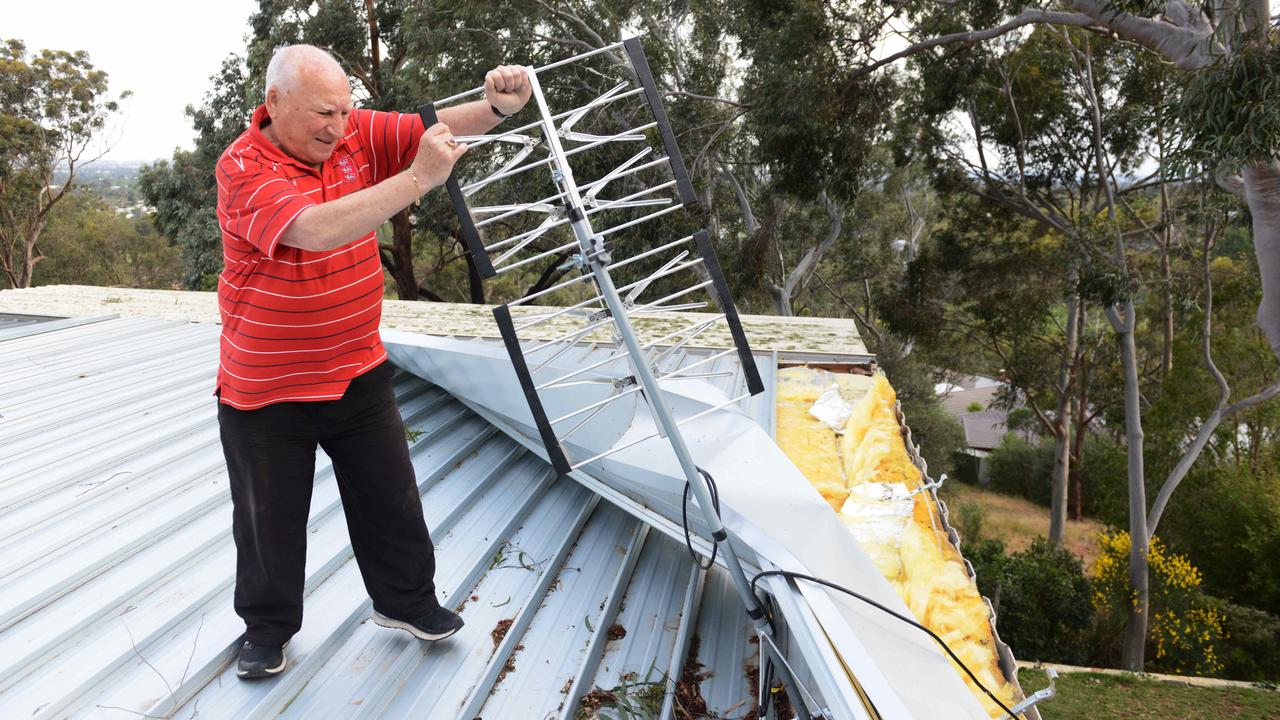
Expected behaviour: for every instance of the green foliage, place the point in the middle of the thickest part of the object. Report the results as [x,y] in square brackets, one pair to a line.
[969,519]
[994,283]
[1021,420]
[1041,597]
[1226,519]
[53,105]
[1105,280]
[939,435]
[183,189]
[1019,468]
[816,125]
[1230,110]
[1250,648]
[987,556]
[1104,479]
[1025,469]
[88,243]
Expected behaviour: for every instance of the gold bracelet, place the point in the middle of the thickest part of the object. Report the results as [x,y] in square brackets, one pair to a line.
[414,177]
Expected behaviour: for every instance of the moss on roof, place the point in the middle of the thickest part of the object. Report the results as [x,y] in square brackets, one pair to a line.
[764,332]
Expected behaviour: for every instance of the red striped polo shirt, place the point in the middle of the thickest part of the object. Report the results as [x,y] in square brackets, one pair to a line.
[298,325]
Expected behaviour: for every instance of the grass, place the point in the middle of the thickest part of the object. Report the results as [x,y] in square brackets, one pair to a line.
[1017,521]
[1132,697]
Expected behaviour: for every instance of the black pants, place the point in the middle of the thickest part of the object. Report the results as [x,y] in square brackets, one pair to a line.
[271,455]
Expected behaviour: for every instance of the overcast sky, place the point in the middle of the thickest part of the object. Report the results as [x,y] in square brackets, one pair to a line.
[163,51]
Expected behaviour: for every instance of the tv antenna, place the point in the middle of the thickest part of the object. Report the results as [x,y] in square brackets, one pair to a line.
[576,228]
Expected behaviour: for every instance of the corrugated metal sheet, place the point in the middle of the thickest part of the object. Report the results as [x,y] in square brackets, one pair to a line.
[117,564]
[11,320]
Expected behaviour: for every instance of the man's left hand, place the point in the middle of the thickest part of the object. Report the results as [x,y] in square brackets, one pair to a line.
[507,88]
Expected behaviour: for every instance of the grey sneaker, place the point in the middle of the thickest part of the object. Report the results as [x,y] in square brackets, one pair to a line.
[435,625]
[259,661]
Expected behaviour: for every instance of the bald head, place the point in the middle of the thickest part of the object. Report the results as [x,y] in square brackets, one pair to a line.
[308,98]
[292,65]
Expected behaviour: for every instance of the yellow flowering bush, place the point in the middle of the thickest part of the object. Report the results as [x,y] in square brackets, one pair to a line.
[1185,627]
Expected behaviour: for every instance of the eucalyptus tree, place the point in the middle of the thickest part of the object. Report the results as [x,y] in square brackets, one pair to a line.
[1223,54]
[1005,124]
[54,111]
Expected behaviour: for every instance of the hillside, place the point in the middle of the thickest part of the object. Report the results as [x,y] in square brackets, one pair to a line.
[1016,521]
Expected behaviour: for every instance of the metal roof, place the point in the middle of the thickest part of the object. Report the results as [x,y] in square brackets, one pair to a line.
[957,402]
[117,563]
[806,338]
[10,320]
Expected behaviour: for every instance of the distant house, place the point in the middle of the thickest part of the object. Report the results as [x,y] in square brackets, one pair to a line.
[969,400]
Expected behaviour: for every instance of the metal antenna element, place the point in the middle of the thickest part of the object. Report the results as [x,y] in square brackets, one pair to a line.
[574,395]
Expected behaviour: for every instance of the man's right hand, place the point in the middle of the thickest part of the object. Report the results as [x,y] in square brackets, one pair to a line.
[329,225]
[437,153]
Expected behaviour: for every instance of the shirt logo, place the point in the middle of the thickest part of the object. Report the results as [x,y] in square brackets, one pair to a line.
[348,168]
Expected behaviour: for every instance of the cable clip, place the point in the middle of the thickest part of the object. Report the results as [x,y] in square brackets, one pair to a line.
[1039,695]
[932,485]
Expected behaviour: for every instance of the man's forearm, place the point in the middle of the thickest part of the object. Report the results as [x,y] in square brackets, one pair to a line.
[335,223]
[473,118]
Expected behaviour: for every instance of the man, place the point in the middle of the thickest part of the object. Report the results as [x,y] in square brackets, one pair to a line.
[300,194]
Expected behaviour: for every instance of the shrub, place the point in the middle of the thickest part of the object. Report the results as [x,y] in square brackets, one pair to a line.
[1104,478]
[1226,519]
[1022,469]
[1026,470]
[969,518]
[1250,648]
[1041,597]
[1185,626]
[966,468]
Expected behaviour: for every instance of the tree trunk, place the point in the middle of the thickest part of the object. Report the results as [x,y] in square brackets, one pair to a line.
[796,280]
[375,49]
[30,255]
[1135,631]
[1062,428]
[1262,192]
[781,300]
[1125,325]
[1075,509]
[402,256]
[1166,274]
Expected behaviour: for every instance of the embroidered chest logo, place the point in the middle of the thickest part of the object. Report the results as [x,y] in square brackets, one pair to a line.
[347,168]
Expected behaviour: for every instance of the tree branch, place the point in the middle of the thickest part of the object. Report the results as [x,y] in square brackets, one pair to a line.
[1029,16]
[798,277]
[1183,34]
[744,203]
[1221,411]
[695,96]
[864,320]
[1232,183]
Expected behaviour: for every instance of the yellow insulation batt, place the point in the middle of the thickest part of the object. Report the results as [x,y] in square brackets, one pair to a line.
[866,476]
